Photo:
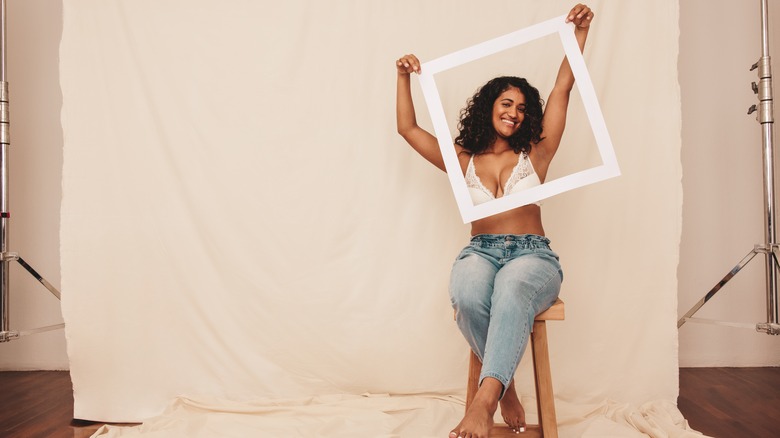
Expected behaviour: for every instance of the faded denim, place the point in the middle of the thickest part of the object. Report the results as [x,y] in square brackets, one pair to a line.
[498,284]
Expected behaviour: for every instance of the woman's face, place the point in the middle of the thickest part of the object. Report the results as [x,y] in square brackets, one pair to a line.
[508,112]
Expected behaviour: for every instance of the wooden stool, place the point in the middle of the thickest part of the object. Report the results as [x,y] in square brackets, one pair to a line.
[545,401]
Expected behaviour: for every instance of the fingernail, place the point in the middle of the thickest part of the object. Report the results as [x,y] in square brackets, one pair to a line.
[522,429]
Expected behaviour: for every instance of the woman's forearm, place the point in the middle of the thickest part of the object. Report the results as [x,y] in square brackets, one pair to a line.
[406,119]
[565,79]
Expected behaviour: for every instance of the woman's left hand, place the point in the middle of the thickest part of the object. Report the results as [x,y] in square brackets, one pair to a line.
[581,16]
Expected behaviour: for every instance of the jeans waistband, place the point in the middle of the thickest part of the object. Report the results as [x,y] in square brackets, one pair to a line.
[502,240]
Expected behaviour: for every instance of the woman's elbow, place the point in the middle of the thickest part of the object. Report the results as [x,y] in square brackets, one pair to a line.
[404,130]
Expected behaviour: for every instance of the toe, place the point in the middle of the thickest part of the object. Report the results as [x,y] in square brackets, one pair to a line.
[514,423]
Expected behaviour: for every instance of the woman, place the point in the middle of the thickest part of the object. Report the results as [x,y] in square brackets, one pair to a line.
[508,273]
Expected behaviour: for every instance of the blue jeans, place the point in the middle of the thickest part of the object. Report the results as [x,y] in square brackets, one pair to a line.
[498,284]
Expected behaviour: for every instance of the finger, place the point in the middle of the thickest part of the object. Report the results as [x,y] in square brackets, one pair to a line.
[580,13]
[414,63]
[402,65]
[573,12]
[408,67]
[577,12]
[585,21]
[410,63]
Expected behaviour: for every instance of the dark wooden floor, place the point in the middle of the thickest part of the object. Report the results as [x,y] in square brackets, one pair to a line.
[731,402]
[38,404]
[719,402]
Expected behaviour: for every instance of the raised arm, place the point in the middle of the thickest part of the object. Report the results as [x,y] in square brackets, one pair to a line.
[554,120]
[421,140]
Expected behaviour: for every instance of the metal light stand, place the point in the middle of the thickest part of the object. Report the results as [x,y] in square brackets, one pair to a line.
[7,257]
[770,246]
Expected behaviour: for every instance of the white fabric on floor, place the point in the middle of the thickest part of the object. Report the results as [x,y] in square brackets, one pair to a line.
[240,220]
[377,416]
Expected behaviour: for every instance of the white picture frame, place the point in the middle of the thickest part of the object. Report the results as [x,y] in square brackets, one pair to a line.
[609,167]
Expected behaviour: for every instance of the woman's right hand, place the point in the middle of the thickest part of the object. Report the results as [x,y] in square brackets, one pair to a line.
[408,64]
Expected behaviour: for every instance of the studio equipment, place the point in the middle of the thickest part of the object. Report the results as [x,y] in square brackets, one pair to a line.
[770,247]
[6,257]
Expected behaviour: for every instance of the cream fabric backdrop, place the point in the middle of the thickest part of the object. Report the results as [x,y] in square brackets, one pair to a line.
[241,222]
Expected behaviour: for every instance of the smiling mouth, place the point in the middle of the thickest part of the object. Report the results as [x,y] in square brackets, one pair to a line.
[509,123]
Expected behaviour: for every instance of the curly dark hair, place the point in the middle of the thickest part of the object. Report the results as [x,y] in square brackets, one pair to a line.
[476,128]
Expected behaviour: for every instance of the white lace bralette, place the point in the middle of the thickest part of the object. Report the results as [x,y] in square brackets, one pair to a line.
[523,177]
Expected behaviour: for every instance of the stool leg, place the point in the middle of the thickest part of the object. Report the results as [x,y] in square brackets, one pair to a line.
[545,399]
[475,368]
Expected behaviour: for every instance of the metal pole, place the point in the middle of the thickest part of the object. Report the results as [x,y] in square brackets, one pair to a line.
[5,141]
[766,118]
[7,257]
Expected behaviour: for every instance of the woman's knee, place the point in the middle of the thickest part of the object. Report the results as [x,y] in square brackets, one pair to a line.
[471,284]
[527,283]
[469,305]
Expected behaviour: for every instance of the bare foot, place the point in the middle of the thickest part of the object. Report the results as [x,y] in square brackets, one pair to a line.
[479,417]
[511,409]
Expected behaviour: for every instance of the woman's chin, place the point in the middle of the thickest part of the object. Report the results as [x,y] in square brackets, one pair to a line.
[505,134]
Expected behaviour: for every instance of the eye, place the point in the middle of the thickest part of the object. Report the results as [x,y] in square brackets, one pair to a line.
[521,109]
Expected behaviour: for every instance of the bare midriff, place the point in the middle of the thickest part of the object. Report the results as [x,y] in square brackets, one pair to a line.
[521,220]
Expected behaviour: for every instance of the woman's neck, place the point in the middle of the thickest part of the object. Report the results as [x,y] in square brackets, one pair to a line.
[499,146]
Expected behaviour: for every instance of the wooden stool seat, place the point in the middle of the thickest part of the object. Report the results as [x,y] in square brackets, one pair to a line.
[545,401]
